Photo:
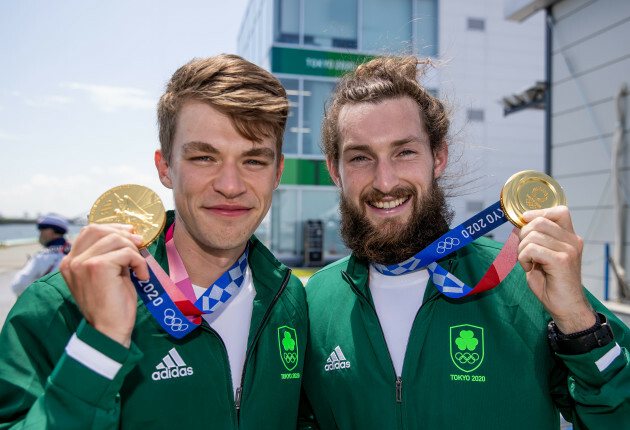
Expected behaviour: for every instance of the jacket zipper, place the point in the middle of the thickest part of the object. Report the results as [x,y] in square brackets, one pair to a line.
[239,390]
[398,382]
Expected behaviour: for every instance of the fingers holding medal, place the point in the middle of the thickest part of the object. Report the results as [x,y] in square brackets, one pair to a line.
[550,252]
[122,220]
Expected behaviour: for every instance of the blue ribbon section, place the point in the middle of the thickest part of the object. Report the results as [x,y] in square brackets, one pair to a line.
[161,306]
[460,236]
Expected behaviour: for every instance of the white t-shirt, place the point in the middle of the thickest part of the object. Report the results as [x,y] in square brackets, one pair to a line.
[397,300]
[232,323]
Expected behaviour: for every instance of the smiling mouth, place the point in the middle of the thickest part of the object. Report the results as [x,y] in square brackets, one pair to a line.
[389,205]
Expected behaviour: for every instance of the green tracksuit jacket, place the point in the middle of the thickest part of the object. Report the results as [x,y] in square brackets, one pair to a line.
[511,379]
[41,386]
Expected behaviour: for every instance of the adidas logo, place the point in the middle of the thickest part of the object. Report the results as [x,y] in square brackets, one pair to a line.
[171,366]
[336,361]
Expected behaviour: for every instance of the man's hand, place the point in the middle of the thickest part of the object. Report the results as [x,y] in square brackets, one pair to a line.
[97,273]
[551,254]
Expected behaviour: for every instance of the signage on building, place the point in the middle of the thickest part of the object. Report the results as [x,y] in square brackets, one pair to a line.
[314,63]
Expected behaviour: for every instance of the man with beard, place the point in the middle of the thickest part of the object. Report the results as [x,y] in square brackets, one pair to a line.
[388,352]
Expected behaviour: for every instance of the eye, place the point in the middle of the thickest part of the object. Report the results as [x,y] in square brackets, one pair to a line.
[256,162]
[406,152]
[358,159]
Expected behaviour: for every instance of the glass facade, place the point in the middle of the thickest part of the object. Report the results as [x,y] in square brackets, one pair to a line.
[292,207]
[308,44]
[365,25]
[386,25]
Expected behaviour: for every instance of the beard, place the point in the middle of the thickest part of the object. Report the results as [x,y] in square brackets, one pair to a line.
[393,241]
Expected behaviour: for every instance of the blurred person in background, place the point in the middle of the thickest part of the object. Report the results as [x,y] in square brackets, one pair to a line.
[52,230]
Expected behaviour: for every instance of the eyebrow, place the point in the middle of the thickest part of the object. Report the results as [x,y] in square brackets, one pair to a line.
[208,148]
[395,144]
[198,146]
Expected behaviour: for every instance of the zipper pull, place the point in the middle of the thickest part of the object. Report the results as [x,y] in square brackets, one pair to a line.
[398,390]
[237,399]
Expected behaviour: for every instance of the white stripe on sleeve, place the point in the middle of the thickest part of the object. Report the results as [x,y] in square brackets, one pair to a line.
[92,358]
[608,358]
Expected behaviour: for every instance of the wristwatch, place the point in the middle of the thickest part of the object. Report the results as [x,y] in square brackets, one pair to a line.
[581,342]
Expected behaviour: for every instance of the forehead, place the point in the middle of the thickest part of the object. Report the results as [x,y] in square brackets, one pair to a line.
[201,122]
[390,120]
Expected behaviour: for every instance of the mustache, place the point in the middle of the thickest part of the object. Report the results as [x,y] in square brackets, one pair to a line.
[373,194]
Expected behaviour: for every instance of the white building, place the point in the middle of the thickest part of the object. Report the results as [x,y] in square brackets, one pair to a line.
[308,43]
[589,63]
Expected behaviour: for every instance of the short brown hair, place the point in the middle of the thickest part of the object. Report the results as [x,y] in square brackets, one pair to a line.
[375,81]
[253,98]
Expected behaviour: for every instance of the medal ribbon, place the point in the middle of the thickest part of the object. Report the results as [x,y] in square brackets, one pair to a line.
[460,236]
[171,300]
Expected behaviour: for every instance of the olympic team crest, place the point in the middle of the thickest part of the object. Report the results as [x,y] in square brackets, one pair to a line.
[467,346]
[288,343]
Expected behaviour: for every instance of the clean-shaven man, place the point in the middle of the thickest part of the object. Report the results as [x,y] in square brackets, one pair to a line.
[82,351]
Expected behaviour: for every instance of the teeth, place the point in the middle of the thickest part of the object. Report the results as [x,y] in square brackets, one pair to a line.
[389,205]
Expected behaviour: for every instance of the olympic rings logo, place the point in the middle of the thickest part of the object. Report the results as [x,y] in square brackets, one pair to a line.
[290,357]
[176,324]
[447,244]
[467,358]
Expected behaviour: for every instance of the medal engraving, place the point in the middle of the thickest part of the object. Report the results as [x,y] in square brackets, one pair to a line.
[134,205]
[529,190]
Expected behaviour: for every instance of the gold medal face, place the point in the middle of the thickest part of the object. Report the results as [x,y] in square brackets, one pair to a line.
[529,190]
[134,205]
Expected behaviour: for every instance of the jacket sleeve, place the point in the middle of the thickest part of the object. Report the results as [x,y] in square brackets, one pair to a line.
[56,371]
[598,382]
[31,271]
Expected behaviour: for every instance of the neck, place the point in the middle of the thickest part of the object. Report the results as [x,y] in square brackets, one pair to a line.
[56,241]
[203,264]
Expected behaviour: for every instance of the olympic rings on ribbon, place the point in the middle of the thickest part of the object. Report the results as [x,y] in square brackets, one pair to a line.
[447,244]
[176,324]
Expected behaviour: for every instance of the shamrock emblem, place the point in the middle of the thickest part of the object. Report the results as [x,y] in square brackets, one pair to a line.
[288,343]
[466,340]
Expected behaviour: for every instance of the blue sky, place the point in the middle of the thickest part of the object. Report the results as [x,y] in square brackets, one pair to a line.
[79,83]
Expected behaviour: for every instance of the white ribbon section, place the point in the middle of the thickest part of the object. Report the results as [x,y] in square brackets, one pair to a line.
[92,358]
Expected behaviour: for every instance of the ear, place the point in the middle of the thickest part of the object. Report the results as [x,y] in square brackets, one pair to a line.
[279,171]
[163,168]
[440,158]
[333,169]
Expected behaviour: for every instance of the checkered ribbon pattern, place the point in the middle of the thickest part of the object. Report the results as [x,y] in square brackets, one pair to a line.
[171,298]
[460,236]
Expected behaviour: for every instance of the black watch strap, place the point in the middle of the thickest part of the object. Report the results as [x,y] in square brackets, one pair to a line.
[582,342]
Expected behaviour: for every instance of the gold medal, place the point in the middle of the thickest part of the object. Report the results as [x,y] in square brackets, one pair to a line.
[529,190]
[134,205]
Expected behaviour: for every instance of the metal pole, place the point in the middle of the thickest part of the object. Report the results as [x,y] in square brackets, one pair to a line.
[548,77]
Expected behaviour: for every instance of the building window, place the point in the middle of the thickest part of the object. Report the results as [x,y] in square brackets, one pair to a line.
[284,222]
[386,26]
[475,115]
[288,21]
[292,132]
[426,22]
[290,209]
[331,23]
[314,98]
[476,24]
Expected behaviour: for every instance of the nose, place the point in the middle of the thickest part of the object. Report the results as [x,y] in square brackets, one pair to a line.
[385,177]
[229,181]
